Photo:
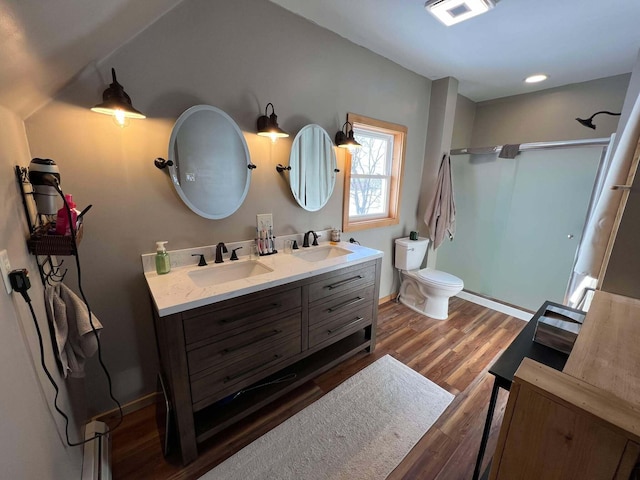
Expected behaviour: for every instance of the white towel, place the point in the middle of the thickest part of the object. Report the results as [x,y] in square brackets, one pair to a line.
[74,336]
[440,216]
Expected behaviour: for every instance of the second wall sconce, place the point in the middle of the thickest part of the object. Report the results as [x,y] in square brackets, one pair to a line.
[116,102]
[345,139]
[268,125]
[588,122]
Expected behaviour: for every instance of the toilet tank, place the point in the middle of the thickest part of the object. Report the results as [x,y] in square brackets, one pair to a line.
[410,253]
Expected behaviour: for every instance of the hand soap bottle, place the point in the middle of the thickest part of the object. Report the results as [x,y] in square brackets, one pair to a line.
[163,264]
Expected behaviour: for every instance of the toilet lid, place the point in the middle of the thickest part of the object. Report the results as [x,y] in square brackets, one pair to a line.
[440,278]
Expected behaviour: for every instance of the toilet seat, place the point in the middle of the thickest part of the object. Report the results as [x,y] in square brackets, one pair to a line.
[441,279]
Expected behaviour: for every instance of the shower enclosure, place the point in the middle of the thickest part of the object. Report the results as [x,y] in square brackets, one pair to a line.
[519,221]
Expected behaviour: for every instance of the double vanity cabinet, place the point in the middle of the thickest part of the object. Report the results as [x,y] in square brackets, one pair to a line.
[228,349]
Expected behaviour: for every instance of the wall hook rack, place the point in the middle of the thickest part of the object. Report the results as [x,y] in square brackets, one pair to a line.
[281,168]
[40,242]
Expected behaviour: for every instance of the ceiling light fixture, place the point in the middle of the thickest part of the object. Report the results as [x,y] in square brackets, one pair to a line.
[537,78]
[116,102]
[268,125]
[451,12]
[345,138]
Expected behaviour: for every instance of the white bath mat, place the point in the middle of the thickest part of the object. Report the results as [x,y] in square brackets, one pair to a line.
[360,430]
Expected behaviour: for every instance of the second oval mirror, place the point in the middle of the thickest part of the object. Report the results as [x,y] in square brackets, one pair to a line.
[313,163]
[211,160]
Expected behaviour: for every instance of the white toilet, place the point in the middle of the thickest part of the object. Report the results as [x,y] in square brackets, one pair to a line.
[426,291]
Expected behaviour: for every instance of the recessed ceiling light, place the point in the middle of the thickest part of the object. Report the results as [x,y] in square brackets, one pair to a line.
[538,77]
[451,12]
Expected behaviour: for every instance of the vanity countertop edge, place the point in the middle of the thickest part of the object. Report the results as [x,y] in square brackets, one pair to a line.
[175,292]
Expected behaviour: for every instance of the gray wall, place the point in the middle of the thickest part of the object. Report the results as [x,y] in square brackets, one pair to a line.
[237,56]
[31,438]
[549,115]
[463,124]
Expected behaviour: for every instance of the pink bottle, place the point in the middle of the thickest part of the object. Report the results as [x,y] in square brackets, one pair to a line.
[62,221]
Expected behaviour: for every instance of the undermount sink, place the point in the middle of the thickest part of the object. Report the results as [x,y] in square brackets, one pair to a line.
[217,274]
[317,254]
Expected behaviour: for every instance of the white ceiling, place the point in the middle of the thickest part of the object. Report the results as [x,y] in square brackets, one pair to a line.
[44,44]
[570,40]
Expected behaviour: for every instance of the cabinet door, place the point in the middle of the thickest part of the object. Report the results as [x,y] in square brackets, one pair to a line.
[547,440]
[557,427]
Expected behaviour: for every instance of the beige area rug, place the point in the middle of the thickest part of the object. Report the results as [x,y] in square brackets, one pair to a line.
[360,430]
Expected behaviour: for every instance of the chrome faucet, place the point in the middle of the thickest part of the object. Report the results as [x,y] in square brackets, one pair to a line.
[220,249]
[305,242]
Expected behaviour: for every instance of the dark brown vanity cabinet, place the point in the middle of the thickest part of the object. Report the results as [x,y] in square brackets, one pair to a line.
[211,357]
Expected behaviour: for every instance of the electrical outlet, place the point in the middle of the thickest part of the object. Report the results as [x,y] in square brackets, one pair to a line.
[5,268]
[264,221]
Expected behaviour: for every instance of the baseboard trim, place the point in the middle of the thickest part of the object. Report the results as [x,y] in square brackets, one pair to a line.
[386,299]
[500,307]
[127,408]
[96,459]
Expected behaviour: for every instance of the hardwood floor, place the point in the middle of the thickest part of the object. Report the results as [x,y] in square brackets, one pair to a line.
[455,354]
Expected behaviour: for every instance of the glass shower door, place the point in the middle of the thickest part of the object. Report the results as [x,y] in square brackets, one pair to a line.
[519,222]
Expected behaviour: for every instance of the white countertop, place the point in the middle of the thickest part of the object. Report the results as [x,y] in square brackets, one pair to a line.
[176,292]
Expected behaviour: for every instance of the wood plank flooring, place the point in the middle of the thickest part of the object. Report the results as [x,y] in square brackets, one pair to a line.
[455,354]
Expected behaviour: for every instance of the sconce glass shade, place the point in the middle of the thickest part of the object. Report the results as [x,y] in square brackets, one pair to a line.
[116,102]
[345,139]
[268,125]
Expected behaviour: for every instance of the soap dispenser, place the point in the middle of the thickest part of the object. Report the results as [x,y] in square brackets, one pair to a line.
[163,264]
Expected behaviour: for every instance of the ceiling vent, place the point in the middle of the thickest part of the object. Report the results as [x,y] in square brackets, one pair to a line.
[451,12]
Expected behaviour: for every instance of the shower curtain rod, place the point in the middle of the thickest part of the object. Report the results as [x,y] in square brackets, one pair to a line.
[590,142]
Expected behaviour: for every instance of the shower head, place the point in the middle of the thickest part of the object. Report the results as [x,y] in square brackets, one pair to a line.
[588,122]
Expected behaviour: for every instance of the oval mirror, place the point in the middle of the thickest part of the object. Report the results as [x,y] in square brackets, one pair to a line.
[313,162]
[211,162]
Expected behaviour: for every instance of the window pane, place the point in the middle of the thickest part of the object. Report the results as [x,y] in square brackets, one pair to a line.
[374,158]
[369,197]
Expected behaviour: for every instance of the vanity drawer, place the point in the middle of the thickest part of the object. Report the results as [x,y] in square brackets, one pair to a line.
[337,306]
[237,315]
[235,373]
[348,279]
[340,326]
[234,348]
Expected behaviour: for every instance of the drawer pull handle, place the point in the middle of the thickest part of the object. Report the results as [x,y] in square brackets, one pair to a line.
[246,372]
[345,326]
[353,301]
[251,342]
[242,317]
[343,282]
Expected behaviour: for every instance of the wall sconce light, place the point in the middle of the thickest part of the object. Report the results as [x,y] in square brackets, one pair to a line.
[588,122]
[345,138]
[116,102]
[268,125]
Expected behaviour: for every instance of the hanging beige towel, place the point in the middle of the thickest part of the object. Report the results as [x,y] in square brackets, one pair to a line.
[440,216]
[74,336]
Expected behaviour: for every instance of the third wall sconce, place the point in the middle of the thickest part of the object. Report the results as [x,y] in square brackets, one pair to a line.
[345,139]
